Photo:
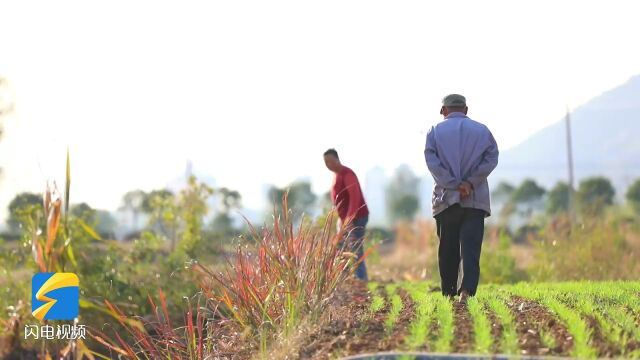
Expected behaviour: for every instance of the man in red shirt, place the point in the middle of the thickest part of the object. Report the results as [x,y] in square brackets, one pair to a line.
[346,195]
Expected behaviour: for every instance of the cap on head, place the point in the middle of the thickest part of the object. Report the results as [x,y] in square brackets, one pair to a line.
[454,101]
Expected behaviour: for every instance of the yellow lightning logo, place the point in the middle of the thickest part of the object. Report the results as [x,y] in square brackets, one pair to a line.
[57,281]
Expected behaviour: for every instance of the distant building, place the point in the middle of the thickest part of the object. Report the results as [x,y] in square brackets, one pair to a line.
[374,193]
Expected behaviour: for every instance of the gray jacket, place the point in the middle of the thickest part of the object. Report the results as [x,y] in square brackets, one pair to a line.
[460,149]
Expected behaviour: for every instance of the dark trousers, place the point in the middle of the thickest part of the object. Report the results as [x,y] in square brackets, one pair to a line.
[460,231]
[355,244]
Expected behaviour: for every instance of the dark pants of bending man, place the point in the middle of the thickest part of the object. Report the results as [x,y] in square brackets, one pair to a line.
[460,231]
[355,244]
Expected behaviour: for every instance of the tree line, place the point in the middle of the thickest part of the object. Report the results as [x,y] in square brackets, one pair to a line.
[159,207]
[592,197]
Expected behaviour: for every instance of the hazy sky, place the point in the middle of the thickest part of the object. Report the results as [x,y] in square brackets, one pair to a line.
[254,92]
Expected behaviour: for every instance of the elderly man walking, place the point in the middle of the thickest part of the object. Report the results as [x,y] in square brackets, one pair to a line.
[460,154]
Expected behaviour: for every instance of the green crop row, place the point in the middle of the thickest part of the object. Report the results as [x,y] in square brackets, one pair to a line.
[613,305]
[395,307]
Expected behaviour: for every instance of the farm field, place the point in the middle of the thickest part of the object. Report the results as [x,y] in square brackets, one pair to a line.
[572,319]
[286,290]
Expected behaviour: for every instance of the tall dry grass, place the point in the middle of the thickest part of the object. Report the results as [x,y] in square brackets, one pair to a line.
[284,276]
[290,272]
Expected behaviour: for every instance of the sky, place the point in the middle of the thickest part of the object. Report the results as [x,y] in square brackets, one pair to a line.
[254,92]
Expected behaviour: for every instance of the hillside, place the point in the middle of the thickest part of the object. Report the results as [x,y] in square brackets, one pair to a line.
[605,142]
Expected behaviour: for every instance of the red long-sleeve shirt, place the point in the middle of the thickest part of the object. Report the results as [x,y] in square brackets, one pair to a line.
[347,195]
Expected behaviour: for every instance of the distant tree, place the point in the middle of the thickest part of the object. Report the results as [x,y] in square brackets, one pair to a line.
[154,203]
[133,201]
[163,210]
[229,200]
[301,198]
[84,212]
[100,221]
[403,207]
[529,194]
[24,204]
[222,224]
[155,195]
[594,195]
[633,196]
[192,202]
[106,224]
[402,195]
[326,203]
[178,219]
[503,192]
[558,199]
[275,195]
[82,223]
[528,191]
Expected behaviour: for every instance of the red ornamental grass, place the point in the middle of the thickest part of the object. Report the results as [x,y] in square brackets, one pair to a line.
[294,271]
[157,339]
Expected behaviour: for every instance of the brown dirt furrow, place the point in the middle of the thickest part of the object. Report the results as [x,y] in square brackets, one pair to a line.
[635,315]
[463,332]
[599,341]
[352,330]
[347,316]
[496,330]
[432,336]
[396,340]
[530,318]
[632,345]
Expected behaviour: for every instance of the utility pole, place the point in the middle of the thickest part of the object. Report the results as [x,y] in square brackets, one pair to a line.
[572,208]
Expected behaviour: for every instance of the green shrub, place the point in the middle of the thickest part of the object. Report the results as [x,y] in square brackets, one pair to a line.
[595,250]
[497,265]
